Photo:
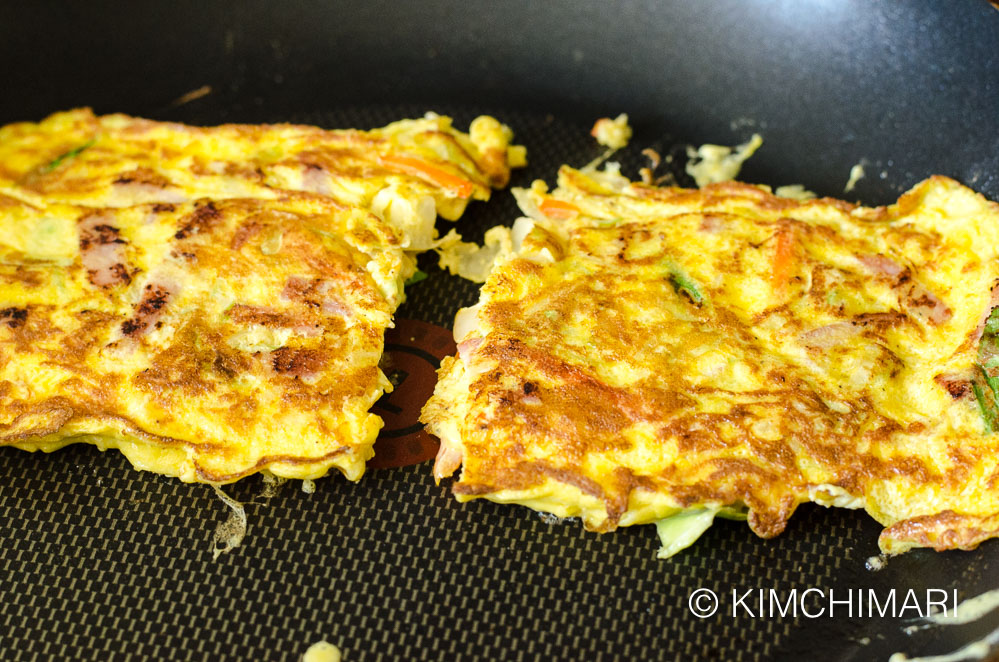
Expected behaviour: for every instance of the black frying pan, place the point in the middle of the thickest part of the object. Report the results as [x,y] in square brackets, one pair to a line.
[99,561]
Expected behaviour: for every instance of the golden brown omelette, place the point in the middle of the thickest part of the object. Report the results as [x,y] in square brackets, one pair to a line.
[212,301]
[670,355]
[407,172]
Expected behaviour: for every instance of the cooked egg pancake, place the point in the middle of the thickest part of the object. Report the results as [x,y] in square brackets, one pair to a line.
[204,340]
[668,355]
[212,301]
[407,172]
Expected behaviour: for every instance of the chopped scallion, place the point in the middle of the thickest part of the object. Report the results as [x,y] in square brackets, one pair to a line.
[59,160]
[416,277]
[684,285]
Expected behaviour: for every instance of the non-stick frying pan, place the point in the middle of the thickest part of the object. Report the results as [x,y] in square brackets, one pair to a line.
[98,561]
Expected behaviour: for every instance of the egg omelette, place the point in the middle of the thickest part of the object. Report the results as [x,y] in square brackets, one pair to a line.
[408,172]
[665,355]
[212,301]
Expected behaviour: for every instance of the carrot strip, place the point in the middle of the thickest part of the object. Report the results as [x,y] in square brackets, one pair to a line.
[783,258]
[558,209]
[439,176]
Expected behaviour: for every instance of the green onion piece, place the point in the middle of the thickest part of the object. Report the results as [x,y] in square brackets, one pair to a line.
[988,416]
[416,277]
[682,529]
[993,383]
[992,323]
[988,349]
[738,513]
[58,161]
[606,222]
[684,285]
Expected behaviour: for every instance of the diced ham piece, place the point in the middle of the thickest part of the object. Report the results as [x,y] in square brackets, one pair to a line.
[102,251]
[304,364]
[956,385]
[711,224]
[315,293]
[976,335]
[155,297]
[137,192]
[315,179]
[270,317]
[145,185]
[830,335]
[882,265]
[467,347]
[915,297]
[927,304]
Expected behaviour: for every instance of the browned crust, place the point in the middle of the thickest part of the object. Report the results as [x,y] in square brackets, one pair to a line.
[942,531]
[61,413]
[266,461]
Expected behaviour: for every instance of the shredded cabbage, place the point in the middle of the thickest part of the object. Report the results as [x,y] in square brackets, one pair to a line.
[230,533]
[717,163]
